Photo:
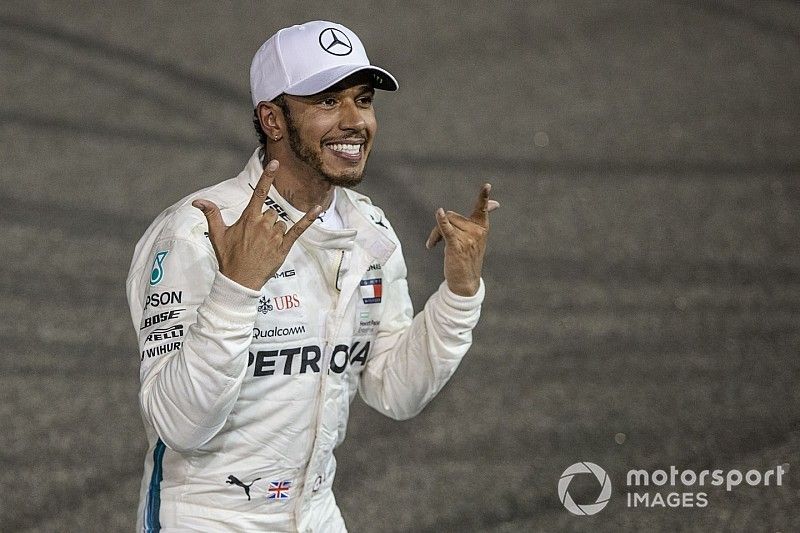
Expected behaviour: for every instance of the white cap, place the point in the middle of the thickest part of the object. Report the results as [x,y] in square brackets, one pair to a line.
[308,58]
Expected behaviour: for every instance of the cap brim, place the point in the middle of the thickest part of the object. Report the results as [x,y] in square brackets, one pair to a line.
[320,81]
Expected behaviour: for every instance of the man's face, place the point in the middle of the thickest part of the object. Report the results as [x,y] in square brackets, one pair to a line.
[331,132]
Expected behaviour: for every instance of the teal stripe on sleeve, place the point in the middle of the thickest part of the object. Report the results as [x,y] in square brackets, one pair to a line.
[151,521]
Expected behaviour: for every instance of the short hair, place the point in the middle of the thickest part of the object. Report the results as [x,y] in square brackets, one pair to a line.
[280,101]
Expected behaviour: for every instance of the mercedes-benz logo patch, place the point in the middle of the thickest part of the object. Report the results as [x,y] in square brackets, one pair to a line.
[335,42]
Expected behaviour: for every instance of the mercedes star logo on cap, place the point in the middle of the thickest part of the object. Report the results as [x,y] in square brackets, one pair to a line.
[335,42]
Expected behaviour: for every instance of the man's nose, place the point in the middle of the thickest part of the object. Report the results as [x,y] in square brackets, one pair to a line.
[351,117]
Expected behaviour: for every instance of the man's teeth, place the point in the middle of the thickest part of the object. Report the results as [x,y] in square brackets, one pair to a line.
[349,149]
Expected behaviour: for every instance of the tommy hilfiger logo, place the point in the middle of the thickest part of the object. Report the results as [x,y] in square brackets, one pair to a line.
[371,290]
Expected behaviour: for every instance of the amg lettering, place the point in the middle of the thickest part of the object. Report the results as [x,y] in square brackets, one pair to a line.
[161,317]
[160,350]
[288,273]
[163,298]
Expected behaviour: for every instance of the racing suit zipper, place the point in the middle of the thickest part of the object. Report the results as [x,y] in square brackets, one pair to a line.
[331,330]
[338,273]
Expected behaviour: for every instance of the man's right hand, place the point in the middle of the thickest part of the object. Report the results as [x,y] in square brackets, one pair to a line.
[253,249]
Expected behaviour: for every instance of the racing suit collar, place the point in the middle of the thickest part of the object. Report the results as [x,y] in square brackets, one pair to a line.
[356,211]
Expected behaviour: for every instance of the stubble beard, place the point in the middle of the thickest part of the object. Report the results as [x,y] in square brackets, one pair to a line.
[312,158]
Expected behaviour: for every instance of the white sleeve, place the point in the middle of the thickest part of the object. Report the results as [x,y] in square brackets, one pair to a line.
[194,336]
[414,358]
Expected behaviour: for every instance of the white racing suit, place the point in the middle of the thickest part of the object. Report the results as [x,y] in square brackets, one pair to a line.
[245,394]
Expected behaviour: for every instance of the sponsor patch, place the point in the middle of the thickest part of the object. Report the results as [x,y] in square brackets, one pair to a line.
[305,359]
[157,273]
[371,290]
[279,490]
[288,273]
[259,333]
[163,298]
[264,305]
[233,480]
[165,333]
[161,317]
[367,327]
[272,204]
[378,221]
[278,303]
[287,301]
[160,350]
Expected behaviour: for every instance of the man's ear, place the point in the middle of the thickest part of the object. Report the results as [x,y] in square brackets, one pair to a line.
[272,121]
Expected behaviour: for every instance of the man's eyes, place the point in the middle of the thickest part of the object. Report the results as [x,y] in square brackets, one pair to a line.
[364,101]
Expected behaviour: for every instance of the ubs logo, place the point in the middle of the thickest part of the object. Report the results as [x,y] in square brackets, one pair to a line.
[287,301]
[279,303]
[335,42]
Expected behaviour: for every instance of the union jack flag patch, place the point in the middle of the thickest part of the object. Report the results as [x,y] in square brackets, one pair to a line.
[371,290]
[278,490]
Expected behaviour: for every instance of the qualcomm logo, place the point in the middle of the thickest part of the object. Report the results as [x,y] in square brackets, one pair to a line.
[591,508]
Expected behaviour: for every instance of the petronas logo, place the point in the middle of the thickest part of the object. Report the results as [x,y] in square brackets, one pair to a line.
[157,274]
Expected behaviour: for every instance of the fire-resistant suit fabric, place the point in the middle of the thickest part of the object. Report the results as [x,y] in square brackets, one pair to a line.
[244,394]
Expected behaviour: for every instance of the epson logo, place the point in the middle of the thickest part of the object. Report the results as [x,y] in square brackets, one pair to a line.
[163,298]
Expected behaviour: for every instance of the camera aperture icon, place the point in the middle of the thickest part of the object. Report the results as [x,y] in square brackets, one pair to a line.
[584,468]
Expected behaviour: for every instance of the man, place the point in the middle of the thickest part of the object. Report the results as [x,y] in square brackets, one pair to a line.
[264,302]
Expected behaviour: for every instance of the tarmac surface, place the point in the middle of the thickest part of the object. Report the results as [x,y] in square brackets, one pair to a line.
[643,276]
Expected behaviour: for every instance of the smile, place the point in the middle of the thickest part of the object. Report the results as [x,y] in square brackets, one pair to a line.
[349,150]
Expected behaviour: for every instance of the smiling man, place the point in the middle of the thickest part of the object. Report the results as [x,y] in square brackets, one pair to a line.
[263,303]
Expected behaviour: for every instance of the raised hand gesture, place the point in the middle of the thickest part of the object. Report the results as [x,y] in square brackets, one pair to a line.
[464,243]
[251,250]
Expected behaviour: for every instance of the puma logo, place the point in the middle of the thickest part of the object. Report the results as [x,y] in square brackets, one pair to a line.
[233,480]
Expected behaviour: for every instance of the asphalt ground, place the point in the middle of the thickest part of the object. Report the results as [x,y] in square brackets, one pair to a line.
[643,279]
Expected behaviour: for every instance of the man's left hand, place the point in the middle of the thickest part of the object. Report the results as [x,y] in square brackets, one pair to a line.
[464,243]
